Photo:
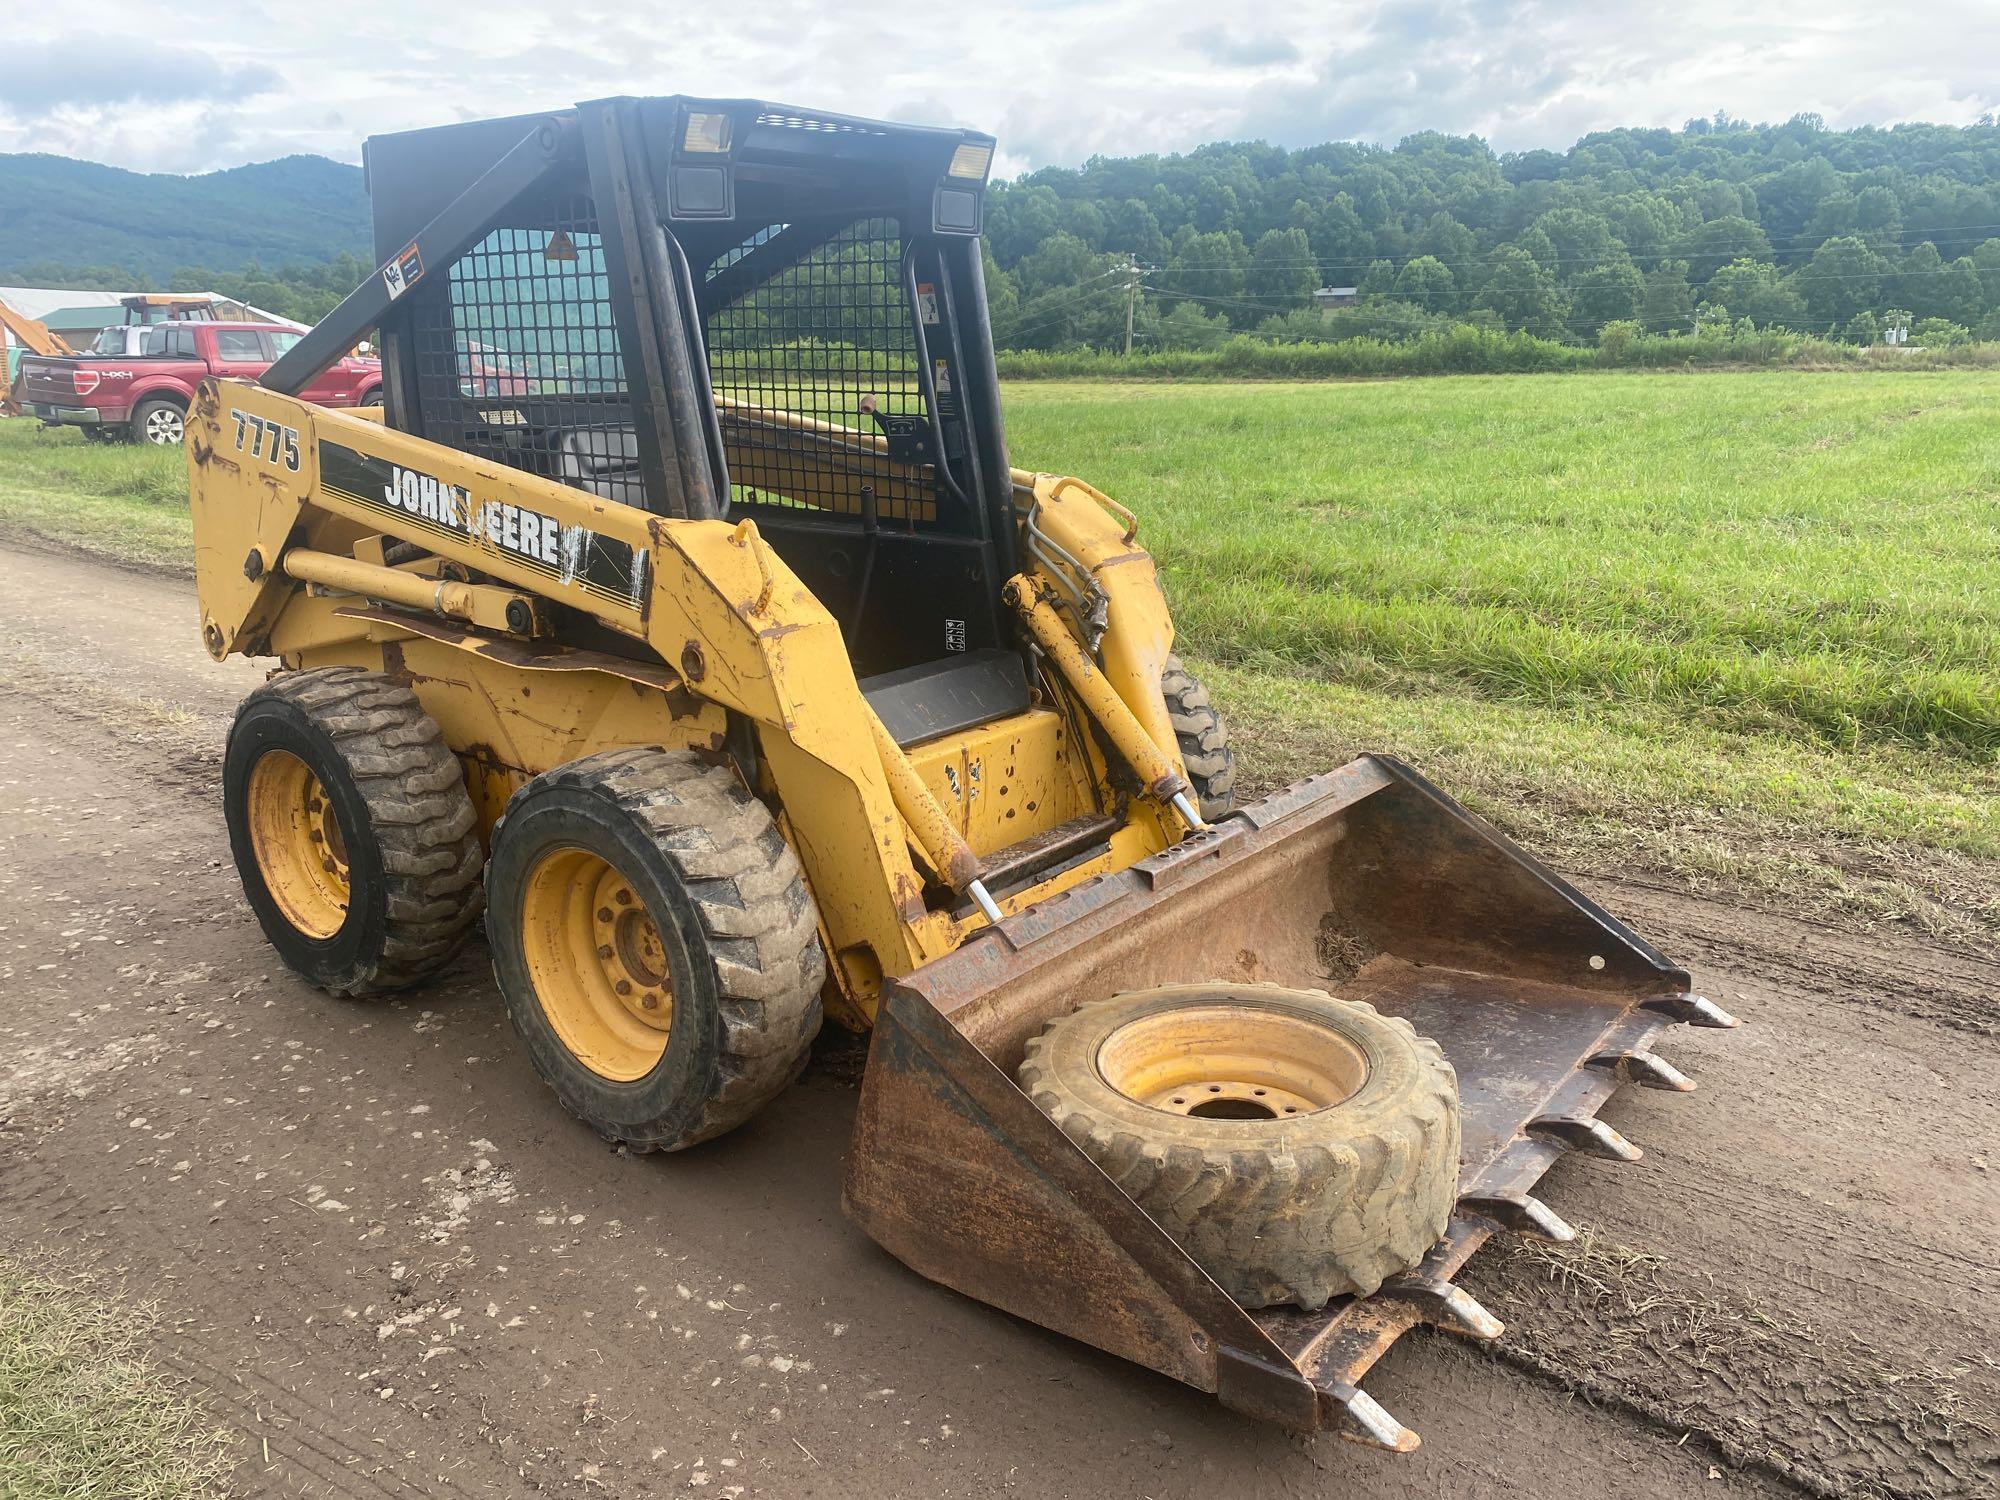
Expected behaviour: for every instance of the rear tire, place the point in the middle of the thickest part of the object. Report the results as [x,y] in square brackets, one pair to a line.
[655,944]
[353,834]
[160,422]
[1298,1147]
[1203,740]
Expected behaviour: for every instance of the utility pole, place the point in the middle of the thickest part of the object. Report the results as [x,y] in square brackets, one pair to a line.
[1131,297]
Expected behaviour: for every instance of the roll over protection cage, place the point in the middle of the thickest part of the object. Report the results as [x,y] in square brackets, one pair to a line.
[743,190]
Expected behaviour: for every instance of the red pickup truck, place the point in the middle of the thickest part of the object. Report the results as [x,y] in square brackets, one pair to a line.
[147,397]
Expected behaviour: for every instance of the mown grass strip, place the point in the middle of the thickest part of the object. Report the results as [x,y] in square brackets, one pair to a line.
[83,1415]
[123,501]
[1811,555]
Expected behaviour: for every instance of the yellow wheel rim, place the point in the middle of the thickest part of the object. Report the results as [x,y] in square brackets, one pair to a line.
[597,964]
[1225,1062]
[296,836]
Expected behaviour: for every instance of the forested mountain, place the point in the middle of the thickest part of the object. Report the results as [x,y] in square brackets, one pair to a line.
[1791,226]
[1795,226]
[77,223]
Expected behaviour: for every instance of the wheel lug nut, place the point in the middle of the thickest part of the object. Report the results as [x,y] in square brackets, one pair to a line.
[329,866]
[650,1000]
[604,914]
[604,950]
[624,986]
[624,898]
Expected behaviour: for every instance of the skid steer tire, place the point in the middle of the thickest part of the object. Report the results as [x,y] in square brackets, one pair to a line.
[351,828]
[1219,1109]
[655,944]
[1203,740]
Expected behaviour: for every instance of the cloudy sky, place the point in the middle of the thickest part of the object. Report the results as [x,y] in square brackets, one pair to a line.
[176,85]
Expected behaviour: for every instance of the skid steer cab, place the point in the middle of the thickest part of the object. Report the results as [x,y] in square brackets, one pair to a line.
[683,613]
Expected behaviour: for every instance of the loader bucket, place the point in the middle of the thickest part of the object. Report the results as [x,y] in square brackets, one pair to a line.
[1367,882]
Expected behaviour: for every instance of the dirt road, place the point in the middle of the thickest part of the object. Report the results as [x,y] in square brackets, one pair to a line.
[398,1268]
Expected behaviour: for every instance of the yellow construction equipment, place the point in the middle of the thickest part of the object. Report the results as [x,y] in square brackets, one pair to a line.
[33,335]
[717,652]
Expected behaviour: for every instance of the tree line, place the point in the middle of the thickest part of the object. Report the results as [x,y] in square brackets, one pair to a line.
[1719,226]
[1840,234]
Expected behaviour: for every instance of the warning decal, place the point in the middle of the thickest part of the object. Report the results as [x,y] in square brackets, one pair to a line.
[404,272]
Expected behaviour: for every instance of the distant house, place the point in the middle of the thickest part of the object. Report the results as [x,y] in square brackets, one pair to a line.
[1327,298]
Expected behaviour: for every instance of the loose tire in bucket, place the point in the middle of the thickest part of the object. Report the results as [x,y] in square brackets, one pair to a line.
[1297,1146]
[654,943]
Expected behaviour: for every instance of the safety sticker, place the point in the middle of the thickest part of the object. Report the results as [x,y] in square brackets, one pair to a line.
[927,303]
[941,374]
[404,272]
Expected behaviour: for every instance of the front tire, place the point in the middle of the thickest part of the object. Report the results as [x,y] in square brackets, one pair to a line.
[1203,740]
[352,831]
[655,945]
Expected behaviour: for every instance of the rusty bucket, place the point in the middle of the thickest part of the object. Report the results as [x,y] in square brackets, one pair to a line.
[1366,881]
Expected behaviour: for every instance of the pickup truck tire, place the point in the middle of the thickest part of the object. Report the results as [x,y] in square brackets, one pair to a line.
[160,421]
[1297,1146]
[371,397]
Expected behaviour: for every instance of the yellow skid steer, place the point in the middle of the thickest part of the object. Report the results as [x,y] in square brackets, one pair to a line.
[683,614]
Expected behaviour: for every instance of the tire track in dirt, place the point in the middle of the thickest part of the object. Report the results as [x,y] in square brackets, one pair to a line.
[1801,1273]
[1764,1388]
[1890,969]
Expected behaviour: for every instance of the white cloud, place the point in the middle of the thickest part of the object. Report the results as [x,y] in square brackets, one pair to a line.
[1057,82]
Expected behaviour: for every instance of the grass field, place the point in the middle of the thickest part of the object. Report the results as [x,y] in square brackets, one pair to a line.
[83,1416]
[1742,628]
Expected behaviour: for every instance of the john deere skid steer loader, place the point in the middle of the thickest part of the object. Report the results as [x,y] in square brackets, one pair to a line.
[683,613]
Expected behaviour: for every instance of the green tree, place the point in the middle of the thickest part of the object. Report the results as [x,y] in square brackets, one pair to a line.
[1711,246]
[1668,304]
[1282,273]
[1447,241]
[1986,261]
[1429,283]
[1751,289]
[1583,241]
[1132,227]
[1020,218]
[1341,242]
[1523,295]
[1380,280]
[1209,267]
[1186,326]
[1844,277]
[1605,294]
[1939,333]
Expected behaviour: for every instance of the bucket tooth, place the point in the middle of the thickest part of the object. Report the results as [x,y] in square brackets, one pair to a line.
[1363,1420]
[1524,1215]
[1693,1010]
[1644,1068]
[1591,1135]
[1445,1306]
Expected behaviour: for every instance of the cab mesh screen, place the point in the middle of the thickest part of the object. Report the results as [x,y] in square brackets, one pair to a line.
[517,356]
[803,364]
